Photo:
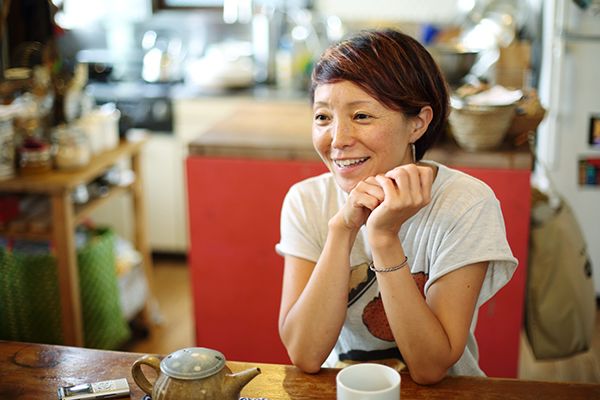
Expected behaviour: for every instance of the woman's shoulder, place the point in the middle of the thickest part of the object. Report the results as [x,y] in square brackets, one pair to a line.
[314,191]
[457,187]
[449,177]
[315,184]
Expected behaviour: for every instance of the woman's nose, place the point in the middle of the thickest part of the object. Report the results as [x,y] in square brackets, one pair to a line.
[342,135]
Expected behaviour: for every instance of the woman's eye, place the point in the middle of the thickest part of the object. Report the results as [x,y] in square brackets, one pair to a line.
[361,116]
[320,117]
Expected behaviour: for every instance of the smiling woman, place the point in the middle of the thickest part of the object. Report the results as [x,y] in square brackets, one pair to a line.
[387,257]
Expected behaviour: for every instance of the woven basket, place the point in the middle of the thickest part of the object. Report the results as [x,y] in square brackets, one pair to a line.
[480,127]
[529,113]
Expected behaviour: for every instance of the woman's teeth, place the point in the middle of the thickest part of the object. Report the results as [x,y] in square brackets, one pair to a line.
[349,162]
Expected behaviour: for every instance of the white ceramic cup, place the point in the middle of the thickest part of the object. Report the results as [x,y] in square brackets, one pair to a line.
[368,382]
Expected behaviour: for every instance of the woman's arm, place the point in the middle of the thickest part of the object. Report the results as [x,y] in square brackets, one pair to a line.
[431,334]
[314,296]
[314,300]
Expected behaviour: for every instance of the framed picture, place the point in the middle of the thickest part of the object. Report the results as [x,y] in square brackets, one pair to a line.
[594,139]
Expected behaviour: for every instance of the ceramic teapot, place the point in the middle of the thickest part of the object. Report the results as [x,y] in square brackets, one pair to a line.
[194,373]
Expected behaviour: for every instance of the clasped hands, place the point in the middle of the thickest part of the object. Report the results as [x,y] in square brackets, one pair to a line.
[384,202]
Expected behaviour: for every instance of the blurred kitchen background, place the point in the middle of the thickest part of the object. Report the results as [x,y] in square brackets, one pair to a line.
[147,57]
[171,69]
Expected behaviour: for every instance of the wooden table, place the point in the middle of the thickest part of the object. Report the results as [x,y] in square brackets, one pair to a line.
[65,216]
[35,371]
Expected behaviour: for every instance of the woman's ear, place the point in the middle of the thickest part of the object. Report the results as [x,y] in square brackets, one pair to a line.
[420,123]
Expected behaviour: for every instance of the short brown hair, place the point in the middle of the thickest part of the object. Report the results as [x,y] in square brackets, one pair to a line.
[395,69]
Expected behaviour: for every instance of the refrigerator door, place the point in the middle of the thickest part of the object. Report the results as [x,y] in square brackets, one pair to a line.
[569,90]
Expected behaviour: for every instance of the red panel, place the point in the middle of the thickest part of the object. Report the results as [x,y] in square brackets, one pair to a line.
[234,209]
[500,319]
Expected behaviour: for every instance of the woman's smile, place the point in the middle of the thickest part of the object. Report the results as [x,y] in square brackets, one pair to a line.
[346,163]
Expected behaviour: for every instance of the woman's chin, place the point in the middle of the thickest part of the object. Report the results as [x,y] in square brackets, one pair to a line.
[346,184]
[347,178]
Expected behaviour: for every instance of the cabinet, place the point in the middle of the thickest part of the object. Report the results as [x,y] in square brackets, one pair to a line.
[238,173]
[58,186]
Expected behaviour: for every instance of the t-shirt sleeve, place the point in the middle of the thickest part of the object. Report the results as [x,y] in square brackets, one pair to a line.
[298,235]
[477,235]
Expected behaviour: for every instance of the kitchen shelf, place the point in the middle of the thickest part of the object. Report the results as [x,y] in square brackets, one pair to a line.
[84,210]
[65,216]
[81,213]
[33,236]
[58,181]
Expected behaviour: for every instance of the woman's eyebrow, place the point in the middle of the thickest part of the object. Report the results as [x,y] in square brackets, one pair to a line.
[352,103]
[359,102]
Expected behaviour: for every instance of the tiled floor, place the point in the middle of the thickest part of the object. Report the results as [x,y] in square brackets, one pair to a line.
[177,331]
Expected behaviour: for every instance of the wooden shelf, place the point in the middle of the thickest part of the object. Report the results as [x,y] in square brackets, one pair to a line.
[65,216]
[84,210]
[33,236]
[59,181]
[81,213]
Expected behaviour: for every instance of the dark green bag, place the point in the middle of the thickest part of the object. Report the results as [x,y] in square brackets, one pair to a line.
[30,299]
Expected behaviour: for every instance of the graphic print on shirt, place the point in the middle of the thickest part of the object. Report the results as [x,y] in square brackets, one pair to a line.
[373,315]
[361,279]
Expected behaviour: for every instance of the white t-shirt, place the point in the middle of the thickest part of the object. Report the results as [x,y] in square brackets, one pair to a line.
[462,225]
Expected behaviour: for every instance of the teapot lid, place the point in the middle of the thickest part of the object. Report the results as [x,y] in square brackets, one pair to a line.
[192,363]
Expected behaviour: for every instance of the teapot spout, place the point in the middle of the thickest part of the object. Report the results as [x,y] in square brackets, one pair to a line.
[235,382]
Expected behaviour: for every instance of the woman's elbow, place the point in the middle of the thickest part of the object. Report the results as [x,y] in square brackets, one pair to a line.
[304,360]
[306,365]
[429,377]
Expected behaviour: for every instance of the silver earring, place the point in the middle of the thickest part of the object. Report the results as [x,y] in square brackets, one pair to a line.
[413,149]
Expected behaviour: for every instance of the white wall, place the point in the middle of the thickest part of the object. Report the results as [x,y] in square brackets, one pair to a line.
[438,11]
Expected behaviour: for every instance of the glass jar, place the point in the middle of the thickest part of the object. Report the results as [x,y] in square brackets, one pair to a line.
[70,147]
[34,157]
[7,145]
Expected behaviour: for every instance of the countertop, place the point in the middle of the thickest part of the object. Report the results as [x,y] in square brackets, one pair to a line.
[281,129]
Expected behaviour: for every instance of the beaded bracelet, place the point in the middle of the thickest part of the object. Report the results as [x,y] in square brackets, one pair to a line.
[390,269]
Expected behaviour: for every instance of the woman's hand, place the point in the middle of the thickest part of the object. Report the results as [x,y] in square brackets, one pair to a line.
[363,199]
[406,190]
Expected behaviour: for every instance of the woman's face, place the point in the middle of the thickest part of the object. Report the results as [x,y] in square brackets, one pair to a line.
[356,135]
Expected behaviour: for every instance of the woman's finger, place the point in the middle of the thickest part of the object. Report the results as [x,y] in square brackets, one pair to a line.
[389,187]
[426,178]
[369,202]
[373,188]
[414,180]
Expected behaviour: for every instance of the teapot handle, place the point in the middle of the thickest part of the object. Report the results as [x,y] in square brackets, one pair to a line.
[138,375]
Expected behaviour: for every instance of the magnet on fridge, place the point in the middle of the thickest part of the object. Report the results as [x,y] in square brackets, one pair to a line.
[594,138]
[590,175]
